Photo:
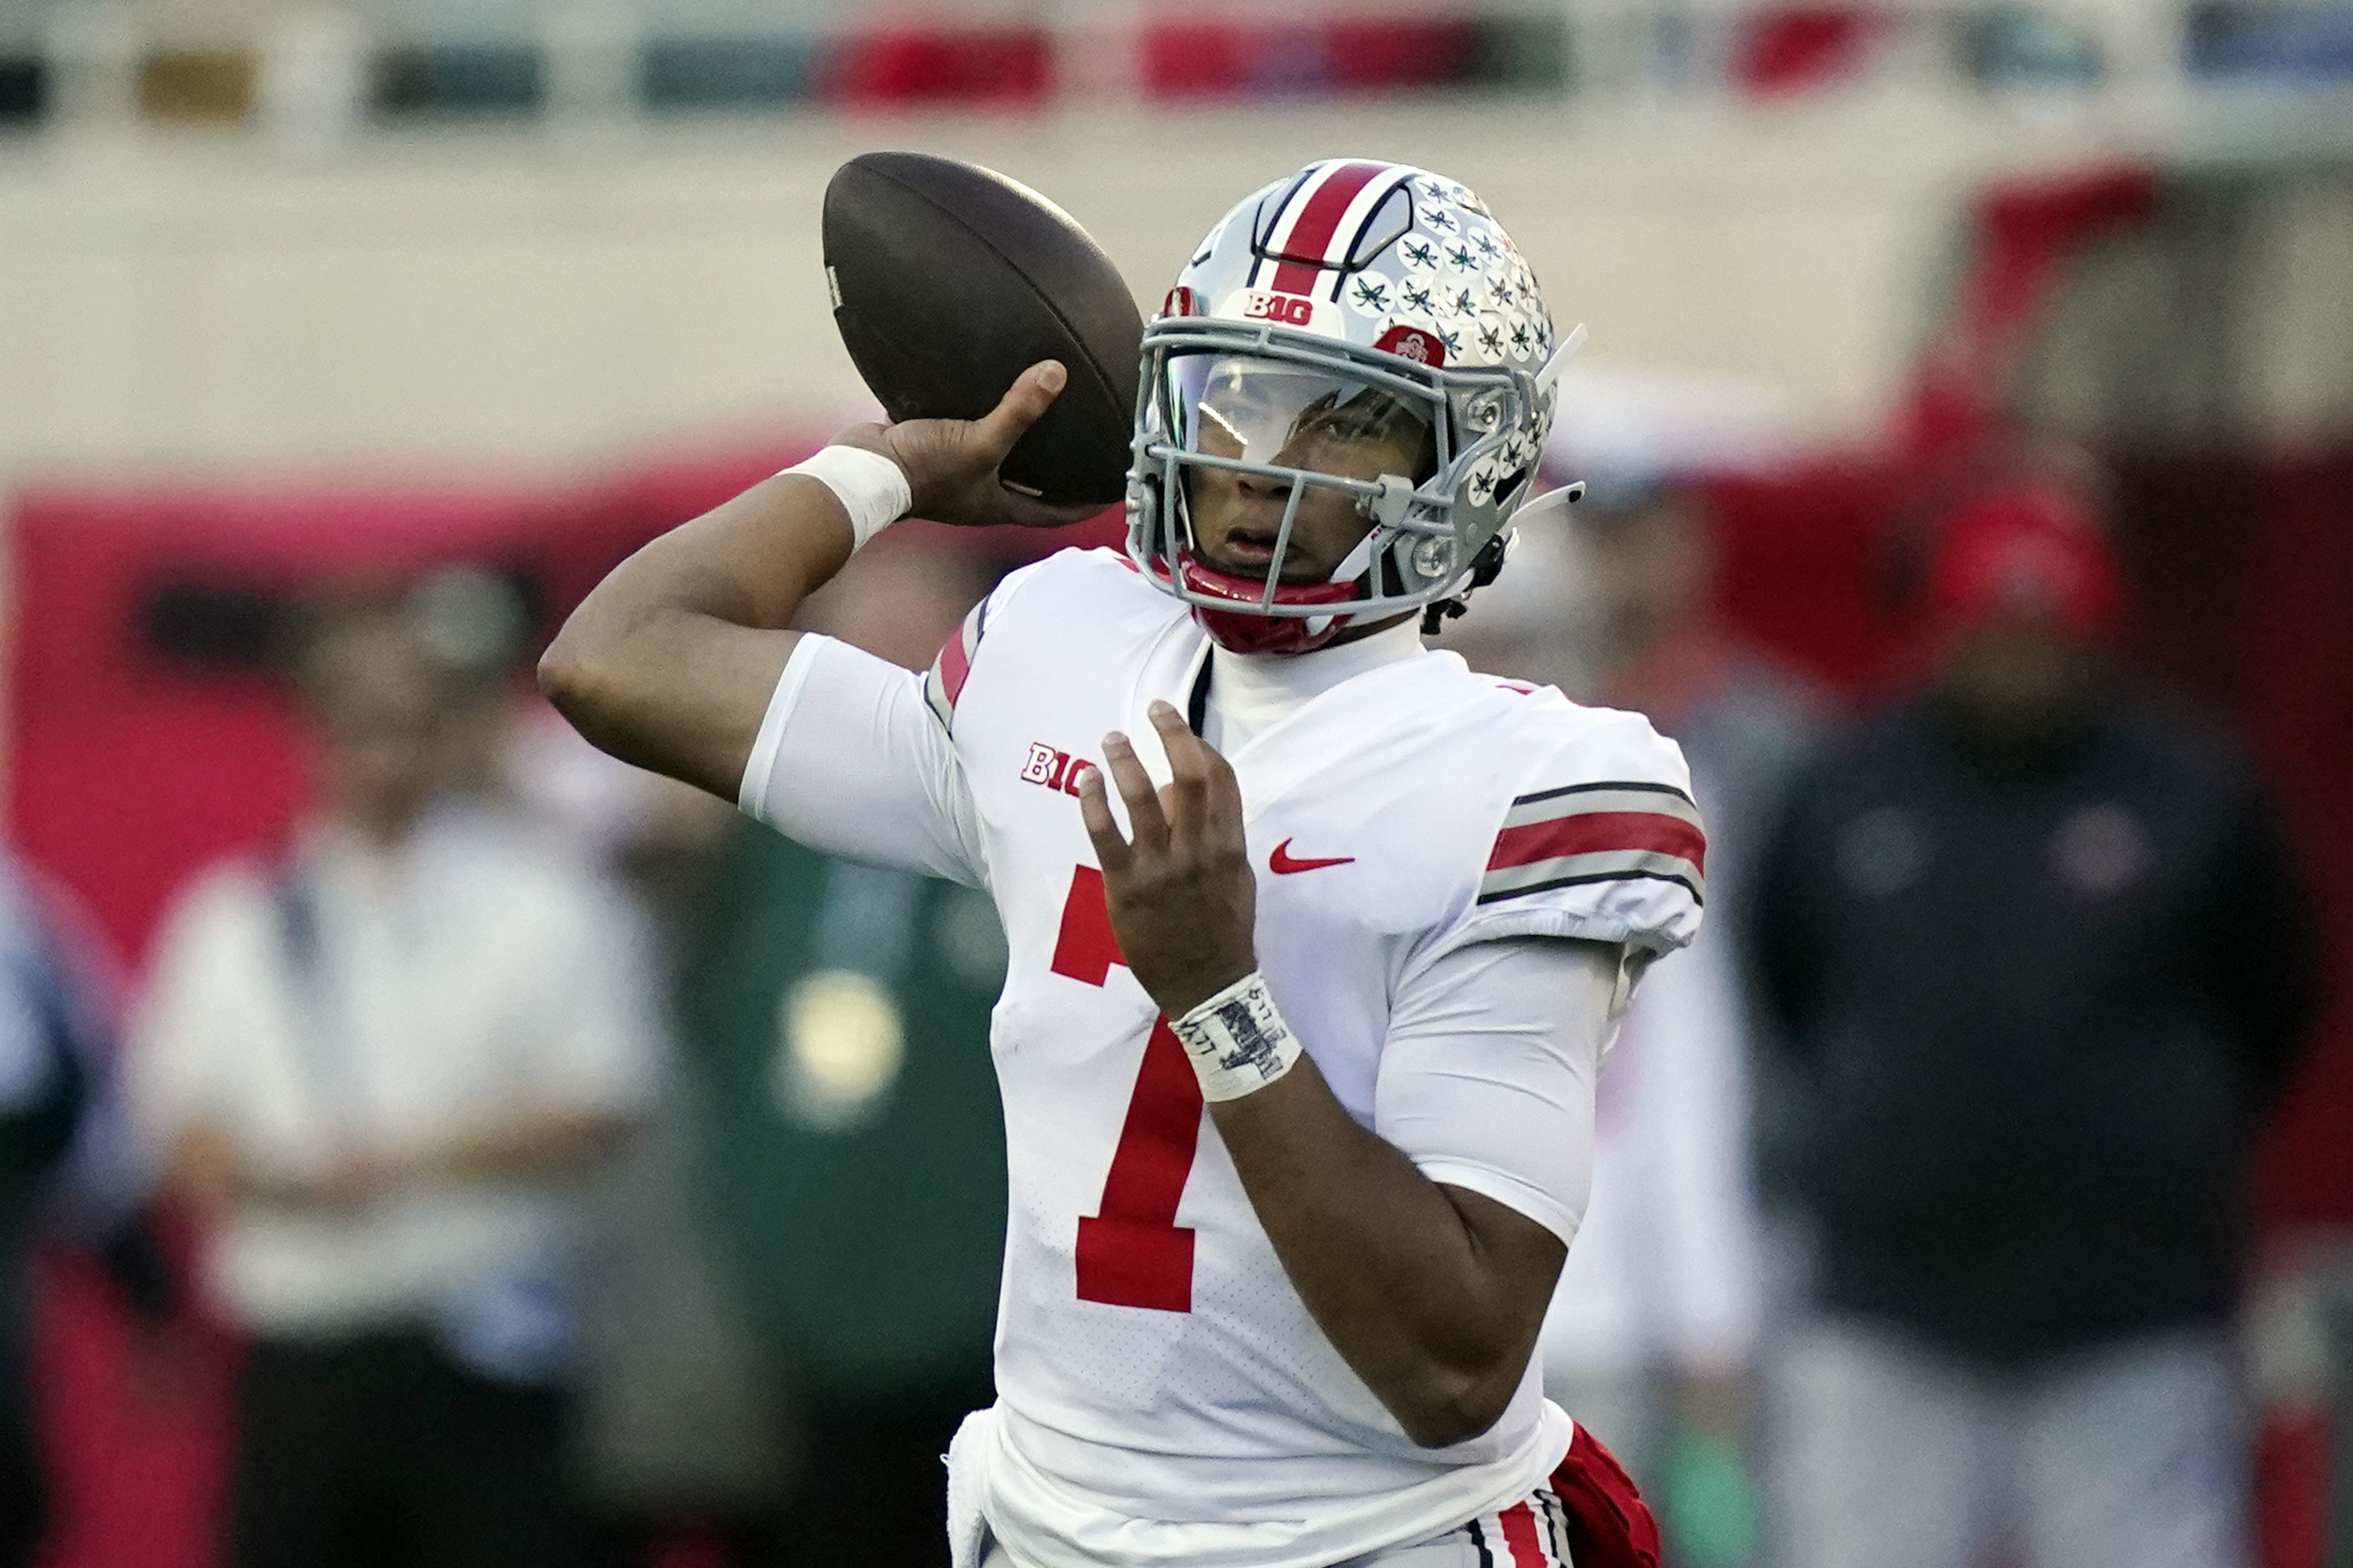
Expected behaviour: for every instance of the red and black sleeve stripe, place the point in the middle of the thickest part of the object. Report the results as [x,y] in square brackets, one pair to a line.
[1598,832]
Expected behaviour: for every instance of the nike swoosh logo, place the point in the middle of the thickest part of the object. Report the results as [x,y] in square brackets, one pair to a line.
[1282,865]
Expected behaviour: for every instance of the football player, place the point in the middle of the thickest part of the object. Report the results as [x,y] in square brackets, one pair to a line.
[1317,939]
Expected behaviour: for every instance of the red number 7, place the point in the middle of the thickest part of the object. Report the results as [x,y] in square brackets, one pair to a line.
[1132,1251]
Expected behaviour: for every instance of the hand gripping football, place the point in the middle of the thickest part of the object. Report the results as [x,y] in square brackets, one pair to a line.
[949,280]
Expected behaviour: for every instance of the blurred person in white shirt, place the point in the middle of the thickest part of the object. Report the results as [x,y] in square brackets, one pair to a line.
[379,1064]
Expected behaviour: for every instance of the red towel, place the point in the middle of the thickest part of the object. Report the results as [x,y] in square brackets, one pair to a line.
[1609,1526]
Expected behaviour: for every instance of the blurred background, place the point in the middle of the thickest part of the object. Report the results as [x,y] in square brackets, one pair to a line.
[344,346]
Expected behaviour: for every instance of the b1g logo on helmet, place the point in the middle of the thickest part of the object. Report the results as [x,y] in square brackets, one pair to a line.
[1288,310]
[1275,309]
[1413,342]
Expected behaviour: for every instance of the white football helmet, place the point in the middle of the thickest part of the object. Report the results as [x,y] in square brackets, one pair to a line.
[1357,296]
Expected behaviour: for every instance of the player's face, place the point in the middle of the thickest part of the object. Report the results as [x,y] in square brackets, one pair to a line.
[1290,419]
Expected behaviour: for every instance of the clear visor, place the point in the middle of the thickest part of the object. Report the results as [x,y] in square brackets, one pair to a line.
[1300,416]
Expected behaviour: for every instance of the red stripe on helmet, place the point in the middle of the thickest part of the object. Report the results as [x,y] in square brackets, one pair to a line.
[1306,250]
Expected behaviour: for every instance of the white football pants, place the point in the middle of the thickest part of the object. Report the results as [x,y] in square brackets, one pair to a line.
[1529,1535]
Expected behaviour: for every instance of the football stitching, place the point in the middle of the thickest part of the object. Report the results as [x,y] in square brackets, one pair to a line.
[1103,381]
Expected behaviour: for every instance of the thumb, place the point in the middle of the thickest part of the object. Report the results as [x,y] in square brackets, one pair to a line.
[1023,403]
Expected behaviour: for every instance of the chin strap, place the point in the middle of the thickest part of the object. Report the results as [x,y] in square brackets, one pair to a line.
[1484,568]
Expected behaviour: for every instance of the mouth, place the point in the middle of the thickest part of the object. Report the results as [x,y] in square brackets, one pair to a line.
[1246,551]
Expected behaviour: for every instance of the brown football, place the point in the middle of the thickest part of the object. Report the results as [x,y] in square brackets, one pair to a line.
[949,280]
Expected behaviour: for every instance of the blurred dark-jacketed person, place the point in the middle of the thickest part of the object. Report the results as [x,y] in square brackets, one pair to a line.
[377,1063]
[2035,950]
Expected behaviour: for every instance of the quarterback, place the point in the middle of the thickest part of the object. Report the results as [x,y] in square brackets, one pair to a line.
[1317,939]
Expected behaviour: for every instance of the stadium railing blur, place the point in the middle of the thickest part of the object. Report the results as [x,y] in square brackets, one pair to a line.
[301,66]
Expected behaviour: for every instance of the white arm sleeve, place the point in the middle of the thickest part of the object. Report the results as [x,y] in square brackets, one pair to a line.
[850,760]
[1487,1079]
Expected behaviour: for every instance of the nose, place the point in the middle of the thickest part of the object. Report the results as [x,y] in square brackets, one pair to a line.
[1261,484]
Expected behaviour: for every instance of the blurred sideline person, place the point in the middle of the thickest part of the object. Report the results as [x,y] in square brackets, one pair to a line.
[851,1145]
[2035,947]
[1653,1325]
[677,1431]
[378,1065]
[684,1435]
[68,1172]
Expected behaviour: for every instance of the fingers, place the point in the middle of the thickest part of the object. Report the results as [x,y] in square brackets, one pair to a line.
[1201,807]
[952,464]
[1031,395]
[1111,852]
[1205,800]
[1187,795]
[1145,818]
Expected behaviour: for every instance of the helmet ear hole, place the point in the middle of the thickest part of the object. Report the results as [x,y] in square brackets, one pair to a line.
[1513,489]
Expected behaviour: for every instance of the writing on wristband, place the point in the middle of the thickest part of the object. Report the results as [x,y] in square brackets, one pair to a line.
[1238,1042]
[872,488]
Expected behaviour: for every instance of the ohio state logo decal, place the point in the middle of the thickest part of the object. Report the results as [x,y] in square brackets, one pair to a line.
[1413,342]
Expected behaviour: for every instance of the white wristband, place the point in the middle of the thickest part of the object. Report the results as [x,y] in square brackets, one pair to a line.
[872,488]
[1236,1040]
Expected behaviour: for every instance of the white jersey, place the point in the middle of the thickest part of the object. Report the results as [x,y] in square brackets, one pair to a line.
[1163,1392]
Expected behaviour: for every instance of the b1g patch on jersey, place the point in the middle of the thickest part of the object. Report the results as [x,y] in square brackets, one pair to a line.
[1054,769]
[944,684]
[1598,832]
